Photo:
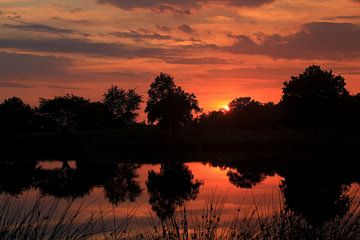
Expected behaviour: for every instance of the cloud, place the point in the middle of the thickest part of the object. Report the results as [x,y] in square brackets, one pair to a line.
[186,29]
[318,40]
[141,36]
[133,4]
[66,45]
[72,21]
[14,66]
[180,4]
[174,11]
[22,70]
[344,17]
[33,27]
[13,85]
[197,61]
[76,10]
[163,28]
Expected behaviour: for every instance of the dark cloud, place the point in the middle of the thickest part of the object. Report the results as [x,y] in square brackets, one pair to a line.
[72,21]
[197,61]
[141,36]
[246,3]
[22,70]
[129,5]
[65,87]
[186,29]
[181,4]
[76,10]
[163,28]
[174,11]
[83,47]
[13,85]
[318,40]
[22,67]
[33,27]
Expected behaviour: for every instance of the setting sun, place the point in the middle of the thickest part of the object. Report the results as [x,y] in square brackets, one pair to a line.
[225,108]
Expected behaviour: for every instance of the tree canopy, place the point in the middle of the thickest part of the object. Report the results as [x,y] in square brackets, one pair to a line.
[122,105]
[312,97]
[169,105]
[15,115]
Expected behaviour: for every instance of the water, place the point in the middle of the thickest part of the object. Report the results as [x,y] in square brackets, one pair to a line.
[141,190]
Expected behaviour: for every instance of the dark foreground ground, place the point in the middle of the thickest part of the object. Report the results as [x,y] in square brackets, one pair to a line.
[189,144]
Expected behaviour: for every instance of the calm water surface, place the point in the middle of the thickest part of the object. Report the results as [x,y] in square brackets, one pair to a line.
[142,190]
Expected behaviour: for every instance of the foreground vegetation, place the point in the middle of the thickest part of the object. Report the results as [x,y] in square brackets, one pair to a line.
[42,220]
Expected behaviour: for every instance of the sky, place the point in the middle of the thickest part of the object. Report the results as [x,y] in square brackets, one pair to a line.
[217,49]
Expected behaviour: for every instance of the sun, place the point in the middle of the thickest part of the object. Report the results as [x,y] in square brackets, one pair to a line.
[225,108]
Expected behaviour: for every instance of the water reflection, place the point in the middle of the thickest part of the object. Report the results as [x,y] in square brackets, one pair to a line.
[317,193]
[170,188]
[16,177]
[123,185]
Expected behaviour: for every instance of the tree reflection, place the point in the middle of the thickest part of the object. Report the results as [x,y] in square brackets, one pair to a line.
[170,188]
[16,177]
[246,179]
[246,174]
[317,196]
[63,182]
[123,185]
[317,192]
[118,180]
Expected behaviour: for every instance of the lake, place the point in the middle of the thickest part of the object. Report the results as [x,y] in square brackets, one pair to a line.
[146,191]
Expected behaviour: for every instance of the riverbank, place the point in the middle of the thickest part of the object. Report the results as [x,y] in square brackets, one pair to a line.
[189,144]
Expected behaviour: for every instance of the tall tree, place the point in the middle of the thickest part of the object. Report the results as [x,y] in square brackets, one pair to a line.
[311,98]
[15,115]
[64,111]
[169,105]
[122,105]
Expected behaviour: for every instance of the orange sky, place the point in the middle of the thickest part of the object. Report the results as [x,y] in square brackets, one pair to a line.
[217,49]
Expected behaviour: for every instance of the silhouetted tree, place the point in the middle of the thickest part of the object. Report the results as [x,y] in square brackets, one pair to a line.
[64,111]
[122,105]
[317,196]
[243,113]
[63,182]
[311,99]
[169,105]
[16,176]
[213,119]
[123,185]
[170,188]
[15,115]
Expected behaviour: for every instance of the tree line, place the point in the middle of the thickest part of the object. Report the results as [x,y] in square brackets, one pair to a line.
[316,98]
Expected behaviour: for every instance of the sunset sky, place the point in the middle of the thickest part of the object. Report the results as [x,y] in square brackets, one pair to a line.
[218,49]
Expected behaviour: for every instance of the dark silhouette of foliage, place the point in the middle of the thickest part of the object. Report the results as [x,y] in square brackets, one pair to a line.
[169,105]
[170,188]
[122,105]
[123,185]
[317,196]
[15,115]
[16,177]
[64,182]
[311,99]
[243,113]
[212,120]
[64,111]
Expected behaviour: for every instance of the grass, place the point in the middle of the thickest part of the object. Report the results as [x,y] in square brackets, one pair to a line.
[39,221]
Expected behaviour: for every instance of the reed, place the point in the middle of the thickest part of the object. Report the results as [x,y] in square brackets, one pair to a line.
[55,219]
